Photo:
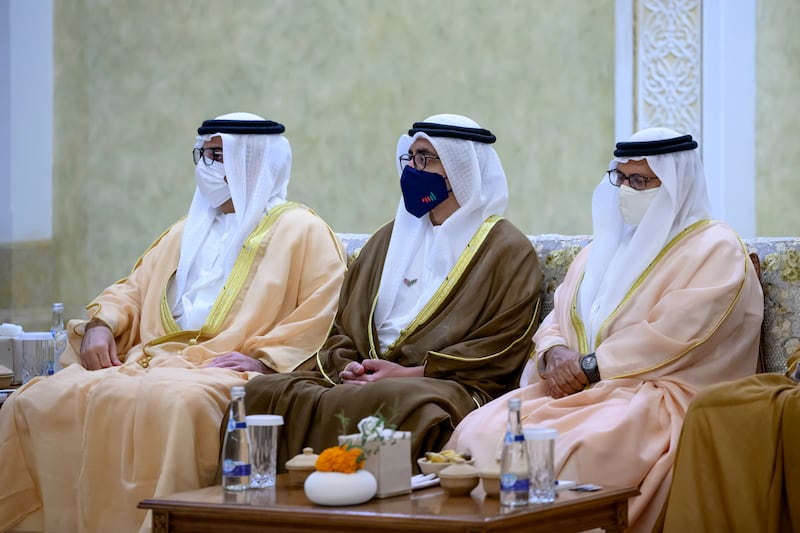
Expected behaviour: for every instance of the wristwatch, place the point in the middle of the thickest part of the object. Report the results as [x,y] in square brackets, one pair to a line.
[589,367]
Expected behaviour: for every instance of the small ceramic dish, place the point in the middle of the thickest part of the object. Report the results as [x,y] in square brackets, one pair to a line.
[300,466]
[6,376]
[459,478]
[427,467]
[430,467]
[490,479]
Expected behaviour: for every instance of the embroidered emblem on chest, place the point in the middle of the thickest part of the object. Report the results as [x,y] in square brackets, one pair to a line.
[409,282]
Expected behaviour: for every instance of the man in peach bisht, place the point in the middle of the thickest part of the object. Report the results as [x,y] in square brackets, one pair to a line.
[246,284]
[663,303]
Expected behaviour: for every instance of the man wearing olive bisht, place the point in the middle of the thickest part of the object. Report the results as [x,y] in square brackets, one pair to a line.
[246,284]
[665,301]
[738,463]
[436,313]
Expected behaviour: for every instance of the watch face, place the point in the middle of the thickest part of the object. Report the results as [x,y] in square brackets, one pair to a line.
[588,362]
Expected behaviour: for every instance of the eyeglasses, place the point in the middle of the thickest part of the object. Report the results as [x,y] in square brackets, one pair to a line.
[209,155]
[638,182]
[420,160]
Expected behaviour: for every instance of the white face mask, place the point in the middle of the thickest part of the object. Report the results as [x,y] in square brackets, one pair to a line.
[633,204]
[211,183]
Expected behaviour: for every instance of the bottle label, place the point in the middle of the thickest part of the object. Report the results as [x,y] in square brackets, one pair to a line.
[236,425]
[511,437]
[510,482]
[232,468]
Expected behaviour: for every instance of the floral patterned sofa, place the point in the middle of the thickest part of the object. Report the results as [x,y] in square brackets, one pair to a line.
[780,278]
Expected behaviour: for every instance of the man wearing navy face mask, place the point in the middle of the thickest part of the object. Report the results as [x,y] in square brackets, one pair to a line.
[425,187]
[437,311]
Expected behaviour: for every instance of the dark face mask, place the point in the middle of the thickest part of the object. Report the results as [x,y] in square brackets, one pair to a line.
[422,191]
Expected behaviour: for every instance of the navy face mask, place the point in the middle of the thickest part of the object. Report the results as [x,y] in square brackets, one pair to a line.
[422,191]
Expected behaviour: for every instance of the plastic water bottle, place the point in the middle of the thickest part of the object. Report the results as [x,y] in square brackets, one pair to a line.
[59,338]
[236,448]
[514,467]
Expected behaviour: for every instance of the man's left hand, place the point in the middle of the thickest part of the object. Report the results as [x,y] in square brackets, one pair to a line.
[240,362]
[563,374]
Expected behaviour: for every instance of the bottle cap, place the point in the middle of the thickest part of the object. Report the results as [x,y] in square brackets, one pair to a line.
[58,306]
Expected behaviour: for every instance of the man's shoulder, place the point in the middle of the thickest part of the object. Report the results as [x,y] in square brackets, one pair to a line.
[295,213]
[710,243]
[711,234]
[505,233]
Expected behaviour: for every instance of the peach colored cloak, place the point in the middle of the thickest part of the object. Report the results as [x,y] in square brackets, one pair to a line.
[692,319]
[84,447]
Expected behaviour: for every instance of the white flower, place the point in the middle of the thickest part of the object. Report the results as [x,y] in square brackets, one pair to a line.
[370,427]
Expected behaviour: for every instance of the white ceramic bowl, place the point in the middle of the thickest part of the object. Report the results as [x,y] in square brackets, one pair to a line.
[335,488]
[428,467]
[459,479]
[491,483]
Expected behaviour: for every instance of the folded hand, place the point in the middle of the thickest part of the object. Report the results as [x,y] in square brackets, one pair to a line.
[371,370]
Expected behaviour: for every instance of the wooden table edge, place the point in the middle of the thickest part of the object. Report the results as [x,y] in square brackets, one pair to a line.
[165,508]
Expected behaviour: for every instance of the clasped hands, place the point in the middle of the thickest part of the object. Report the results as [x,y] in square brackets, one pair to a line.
[563,374]
[99,350]
[370,370]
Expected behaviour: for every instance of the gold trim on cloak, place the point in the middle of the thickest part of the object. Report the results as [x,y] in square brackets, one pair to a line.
[441,294]
[578,323]
[526,334]
[436,300]
[227,296]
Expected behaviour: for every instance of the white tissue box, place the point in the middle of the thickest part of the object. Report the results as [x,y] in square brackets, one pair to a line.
[389,460]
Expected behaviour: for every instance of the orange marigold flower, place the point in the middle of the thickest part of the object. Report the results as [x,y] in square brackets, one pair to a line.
[345,459]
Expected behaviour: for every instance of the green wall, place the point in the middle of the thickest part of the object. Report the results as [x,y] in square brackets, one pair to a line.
[135,79]
[777,117]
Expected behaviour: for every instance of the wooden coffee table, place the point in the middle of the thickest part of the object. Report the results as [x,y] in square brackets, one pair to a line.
[286,508]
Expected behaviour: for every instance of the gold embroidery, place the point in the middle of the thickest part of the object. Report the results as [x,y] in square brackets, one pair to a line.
[438,297]
[236,278]
[167,320]
[525,335]
[450,281]
[747,266]
[577,323]
[644,274]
